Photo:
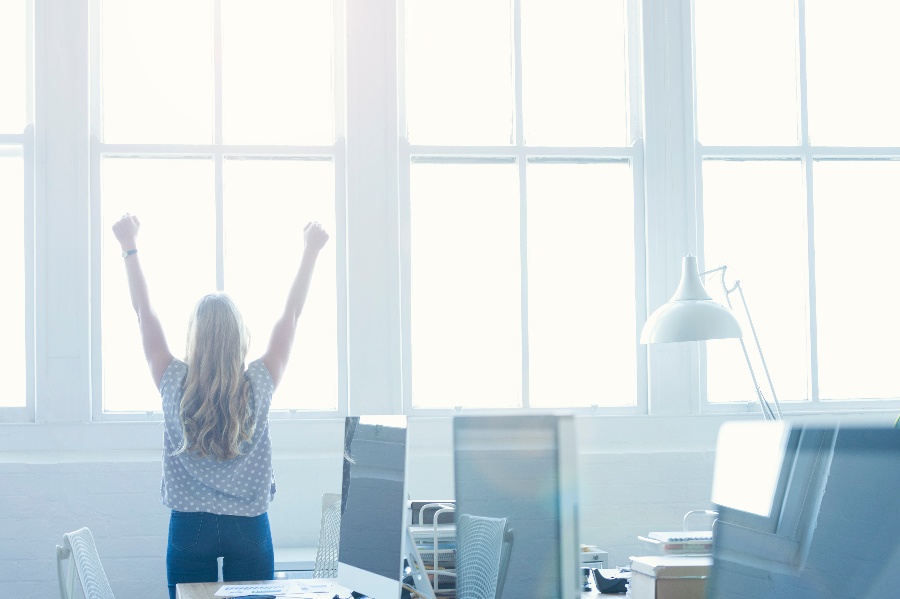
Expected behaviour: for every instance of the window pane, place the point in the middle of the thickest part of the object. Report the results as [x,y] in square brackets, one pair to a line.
[157,71]
[746,63]
[754,221]
[465,286]
[459,72]
[267,204]
[12,273]
[573,72]
[277,72]
[174,200]
[12,66]
[856,287]
[581,334]
[853,95]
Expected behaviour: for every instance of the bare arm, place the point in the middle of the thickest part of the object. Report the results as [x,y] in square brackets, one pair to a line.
[153,339]
[282,340]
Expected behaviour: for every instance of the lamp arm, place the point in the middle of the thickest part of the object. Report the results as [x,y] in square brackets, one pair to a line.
[762,358]
[768,413]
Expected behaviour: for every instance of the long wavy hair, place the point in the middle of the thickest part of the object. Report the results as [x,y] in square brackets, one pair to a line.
[216,415]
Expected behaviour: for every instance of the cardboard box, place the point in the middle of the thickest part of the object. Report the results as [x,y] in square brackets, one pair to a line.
[669,576]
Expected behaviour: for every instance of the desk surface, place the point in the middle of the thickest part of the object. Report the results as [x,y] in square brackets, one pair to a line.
[197,590]
[207,590]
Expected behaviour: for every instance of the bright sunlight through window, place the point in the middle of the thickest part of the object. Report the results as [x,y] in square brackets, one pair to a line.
[12,273]
[512,246]
[799,192]
[12,198]
[218,212]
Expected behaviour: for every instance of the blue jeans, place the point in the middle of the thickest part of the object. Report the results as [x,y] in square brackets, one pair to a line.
[198,539]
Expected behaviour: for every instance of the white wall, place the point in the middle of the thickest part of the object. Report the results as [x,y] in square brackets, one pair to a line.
[636,475]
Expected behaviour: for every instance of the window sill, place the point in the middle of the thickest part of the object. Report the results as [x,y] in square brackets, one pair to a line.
[597,434]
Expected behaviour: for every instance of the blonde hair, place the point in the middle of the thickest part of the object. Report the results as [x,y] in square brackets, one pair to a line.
[216,415]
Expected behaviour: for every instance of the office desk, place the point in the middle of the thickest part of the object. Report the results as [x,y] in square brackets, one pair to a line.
[206,590]
[197,590]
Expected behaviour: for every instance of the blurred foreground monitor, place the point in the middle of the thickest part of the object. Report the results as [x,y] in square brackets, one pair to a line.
[806,512]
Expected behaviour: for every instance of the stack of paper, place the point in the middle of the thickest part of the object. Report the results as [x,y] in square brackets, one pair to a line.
[697,542]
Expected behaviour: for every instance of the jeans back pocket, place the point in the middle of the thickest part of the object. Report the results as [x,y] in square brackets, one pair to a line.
[184,529]
[254,529]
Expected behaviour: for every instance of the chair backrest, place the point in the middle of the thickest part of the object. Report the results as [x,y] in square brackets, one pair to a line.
[482,555]
[79,551]
[329,537]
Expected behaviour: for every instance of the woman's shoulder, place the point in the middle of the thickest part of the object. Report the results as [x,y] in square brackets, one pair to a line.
[174,373]
[259,374]
[170,384]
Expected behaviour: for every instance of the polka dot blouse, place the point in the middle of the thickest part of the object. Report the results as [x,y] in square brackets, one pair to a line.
[242,486]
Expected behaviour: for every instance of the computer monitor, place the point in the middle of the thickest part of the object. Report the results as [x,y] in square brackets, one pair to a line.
[373,505]
[826,526]
[522,468]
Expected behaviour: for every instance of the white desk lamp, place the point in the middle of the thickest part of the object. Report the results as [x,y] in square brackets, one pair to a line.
[692,315]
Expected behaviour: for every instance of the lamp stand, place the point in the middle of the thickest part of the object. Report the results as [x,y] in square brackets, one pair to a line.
[767,410]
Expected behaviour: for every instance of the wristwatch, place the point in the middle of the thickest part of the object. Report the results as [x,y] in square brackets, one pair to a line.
[127,253]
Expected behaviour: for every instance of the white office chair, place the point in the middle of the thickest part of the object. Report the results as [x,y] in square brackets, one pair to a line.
[79,551]
[483,546]
[329,537]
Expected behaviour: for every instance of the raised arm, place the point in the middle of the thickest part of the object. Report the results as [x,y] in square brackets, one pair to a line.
[282,340]
[153,339]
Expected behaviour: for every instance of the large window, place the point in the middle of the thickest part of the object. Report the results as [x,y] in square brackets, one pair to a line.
[510,186]
[523,217]
[216,126]
[15,201]
[798,139]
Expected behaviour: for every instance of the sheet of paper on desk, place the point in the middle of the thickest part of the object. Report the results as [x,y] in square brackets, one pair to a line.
[294,589]
[236,590]
[309,589]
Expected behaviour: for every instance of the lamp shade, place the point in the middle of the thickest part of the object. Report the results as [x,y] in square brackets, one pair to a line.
[691,314]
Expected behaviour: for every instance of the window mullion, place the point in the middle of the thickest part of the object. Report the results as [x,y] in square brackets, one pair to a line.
[217,143]
[62,291]
[372,249]
[803,95]
[519,140]
[28,248]
[801,70]
[811,280]
[99,237]
[669,155]
[523,253]
[403,216]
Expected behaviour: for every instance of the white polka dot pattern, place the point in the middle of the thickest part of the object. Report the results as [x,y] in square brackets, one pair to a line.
[242,486]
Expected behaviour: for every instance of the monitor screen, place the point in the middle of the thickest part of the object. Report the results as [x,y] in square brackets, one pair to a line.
[748,466]
[831,531]
[373,505]
[520,470]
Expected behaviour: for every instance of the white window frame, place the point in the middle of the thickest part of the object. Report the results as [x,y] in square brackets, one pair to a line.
[23,146]
[63,239]
[806,154]
[218,151]
[521,155]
